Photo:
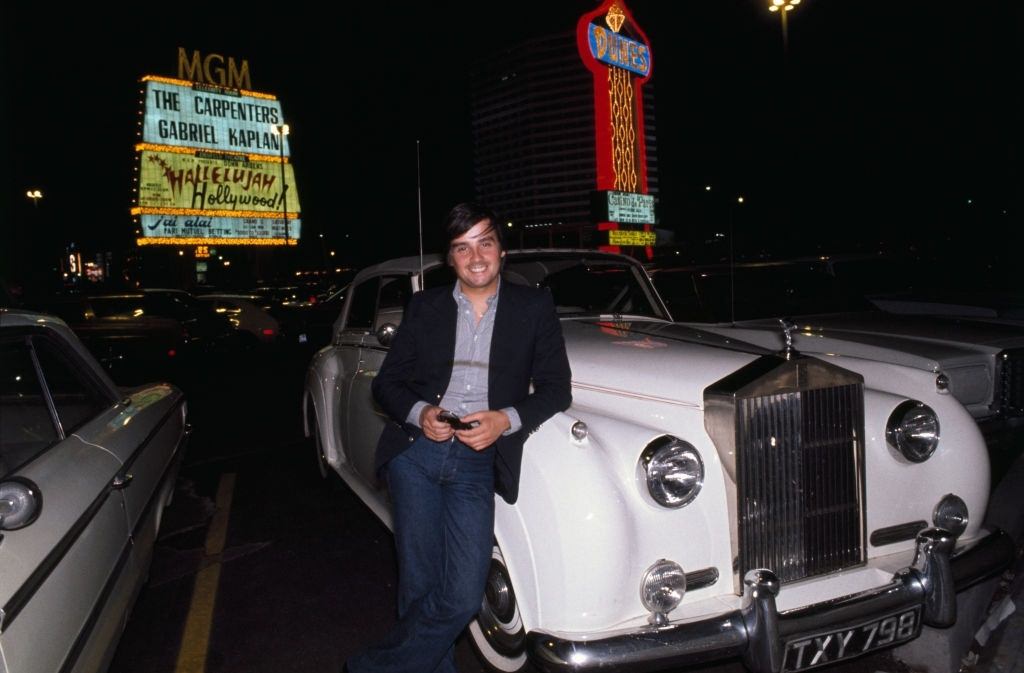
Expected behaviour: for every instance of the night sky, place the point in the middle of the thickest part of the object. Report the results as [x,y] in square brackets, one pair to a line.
[886,125]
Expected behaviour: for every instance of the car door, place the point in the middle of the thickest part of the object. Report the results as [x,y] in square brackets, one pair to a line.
[65,540]
[366,417]
[355,399]
[147,435]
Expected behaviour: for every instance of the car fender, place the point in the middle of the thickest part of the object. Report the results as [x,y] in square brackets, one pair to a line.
[323,386]
[580,498]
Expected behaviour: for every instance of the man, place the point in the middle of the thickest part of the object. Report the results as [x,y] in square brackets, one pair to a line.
[471,351]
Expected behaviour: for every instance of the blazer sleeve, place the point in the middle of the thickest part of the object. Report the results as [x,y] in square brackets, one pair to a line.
[391,387]
[550,373]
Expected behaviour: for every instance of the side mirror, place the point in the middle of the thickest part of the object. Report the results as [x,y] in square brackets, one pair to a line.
[385,333]
[20,503]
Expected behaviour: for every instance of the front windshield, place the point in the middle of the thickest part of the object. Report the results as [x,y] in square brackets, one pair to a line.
[580,285]
[750,293]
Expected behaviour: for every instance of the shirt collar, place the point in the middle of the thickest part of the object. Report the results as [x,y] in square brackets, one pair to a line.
[460,298]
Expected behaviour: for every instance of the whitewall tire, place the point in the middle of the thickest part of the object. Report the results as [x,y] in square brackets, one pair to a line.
[497,633]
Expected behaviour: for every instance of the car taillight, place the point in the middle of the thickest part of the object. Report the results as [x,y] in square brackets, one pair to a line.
[267,331]
[171,352]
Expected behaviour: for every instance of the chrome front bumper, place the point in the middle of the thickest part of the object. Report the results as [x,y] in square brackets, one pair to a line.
[758,632]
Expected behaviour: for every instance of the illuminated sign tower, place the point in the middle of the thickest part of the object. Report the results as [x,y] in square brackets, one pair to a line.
[618,55]
[213,163]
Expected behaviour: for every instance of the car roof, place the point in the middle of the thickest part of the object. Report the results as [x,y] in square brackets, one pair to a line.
[412,265]
[16,317]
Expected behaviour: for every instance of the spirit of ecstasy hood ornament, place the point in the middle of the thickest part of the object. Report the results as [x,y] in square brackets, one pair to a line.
[787,332]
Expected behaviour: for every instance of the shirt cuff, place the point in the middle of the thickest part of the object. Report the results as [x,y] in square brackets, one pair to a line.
[414,413]
[514,421]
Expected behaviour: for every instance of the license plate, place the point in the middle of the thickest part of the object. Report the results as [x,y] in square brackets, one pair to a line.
[808,652]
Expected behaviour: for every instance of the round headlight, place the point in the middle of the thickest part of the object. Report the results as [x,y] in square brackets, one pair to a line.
[663,587]
[951,514]
[673,470]
[913,430]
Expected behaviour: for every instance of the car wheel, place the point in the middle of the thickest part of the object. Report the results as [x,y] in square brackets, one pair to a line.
[497,633]
[318,447]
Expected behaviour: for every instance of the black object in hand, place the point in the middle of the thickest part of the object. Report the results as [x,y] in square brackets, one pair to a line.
[456,422]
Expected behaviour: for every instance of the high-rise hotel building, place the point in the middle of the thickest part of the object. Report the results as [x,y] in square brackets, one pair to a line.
[532,110]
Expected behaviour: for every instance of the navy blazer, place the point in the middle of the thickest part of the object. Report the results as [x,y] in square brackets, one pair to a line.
[526,347]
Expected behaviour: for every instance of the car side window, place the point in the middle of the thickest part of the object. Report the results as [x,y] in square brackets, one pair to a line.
[394,295]
[364,305]
[76,399]
[117,307]
[26,426]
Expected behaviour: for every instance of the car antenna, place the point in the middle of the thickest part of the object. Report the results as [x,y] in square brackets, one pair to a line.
[732,274]
[419,211]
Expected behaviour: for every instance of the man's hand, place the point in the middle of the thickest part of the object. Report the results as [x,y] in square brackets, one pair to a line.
[434,428]
[492,424]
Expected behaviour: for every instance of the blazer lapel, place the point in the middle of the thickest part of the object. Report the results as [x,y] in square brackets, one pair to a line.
[441,322]
[508,330]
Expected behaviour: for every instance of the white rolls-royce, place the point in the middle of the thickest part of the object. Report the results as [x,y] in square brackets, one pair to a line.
[702,498]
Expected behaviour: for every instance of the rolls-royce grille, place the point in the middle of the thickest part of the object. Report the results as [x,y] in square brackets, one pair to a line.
[1010,390]
[799,467]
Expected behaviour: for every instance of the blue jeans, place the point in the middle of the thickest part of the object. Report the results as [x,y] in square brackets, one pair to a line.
[442,495]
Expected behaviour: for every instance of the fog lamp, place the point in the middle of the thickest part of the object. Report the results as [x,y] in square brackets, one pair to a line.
[951,514]
[662,588]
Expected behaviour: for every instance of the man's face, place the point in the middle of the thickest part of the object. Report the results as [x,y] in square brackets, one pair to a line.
[476,257]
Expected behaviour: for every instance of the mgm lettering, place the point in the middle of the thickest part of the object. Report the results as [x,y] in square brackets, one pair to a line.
[211,70]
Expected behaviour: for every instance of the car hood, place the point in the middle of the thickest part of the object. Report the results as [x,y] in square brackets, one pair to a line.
[638,357]
[966,333]
[922,342]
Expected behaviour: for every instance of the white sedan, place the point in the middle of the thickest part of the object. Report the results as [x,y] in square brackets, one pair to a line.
[702,498]
[85,472]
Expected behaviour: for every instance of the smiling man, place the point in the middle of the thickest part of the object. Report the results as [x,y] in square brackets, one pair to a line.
[457,386]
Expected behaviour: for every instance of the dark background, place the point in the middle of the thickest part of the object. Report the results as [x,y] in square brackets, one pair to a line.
[886,126]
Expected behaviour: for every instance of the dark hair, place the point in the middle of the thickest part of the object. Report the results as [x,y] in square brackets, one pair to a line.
[465,216]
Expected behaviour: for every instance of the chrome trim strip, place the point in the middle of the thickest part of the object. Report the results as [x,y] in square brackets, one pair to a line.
[701,579]
[45,389]
[635,396]
[898,533]
[757,632]
[175,409]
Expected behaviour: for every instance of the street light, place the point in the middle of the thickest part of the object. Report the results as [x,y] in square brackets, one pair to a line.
[282,130]
[35,195]
[783,7]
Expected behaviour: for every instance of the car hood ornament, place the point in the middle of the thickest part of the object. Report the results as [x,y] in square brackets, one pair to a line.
[787,334]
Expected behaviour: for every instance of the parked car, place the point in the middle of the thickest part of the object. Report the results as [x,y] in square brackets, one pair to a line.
[980,364]
[208,331]
[1000,307]
[981,290]
[85,472]
[702,498]
[247,314]
[132,347]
